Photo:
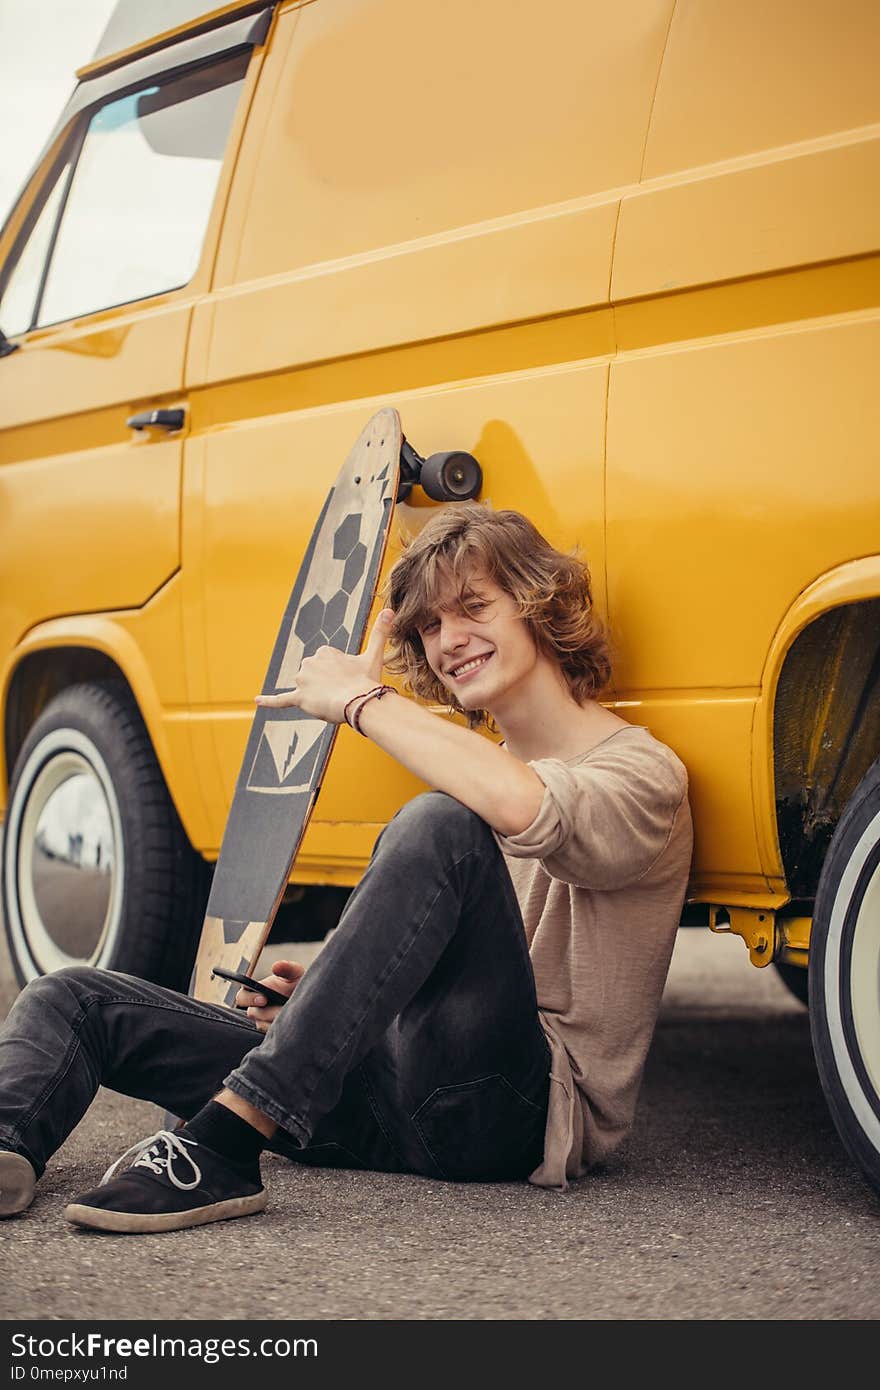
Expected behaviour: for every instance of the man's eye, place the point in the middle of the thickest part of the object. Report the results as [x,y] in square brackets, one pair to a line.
[432,626]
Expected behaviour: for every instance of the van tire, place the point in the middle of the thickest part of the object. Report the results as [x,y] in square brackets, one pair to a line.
[844,974]
[141,906]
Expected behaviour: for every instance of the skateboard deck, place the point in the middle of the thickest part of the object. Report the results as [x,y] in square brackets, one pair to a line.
[287,750]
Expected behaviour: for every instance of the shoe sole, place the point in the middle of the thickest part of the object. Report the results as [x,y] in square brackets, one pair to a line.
[17,1183]
[142,1223]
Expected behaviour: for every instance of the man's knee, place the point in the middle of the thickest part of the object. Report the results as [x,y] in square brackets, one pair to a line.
[77,981]
[434,818]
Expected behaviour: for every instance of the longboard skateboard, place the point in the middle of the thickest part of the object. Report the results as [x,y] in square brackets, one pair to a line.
[287,750]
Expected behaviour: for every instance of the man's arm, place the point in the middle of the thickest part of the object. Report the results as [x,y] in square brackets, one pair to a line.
[504,791]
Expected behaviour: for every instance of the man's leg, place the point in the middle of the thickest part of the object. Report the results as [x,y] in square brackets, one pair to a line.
[414,1036]
[73,1031]
[413,1042]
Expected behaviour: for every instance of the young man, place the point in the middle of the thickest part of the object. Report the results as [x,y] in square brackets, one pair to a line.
[484,1008]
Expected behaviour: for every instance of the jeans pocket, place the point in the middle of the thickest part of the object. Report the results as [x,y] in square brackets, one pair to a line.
[482,1131]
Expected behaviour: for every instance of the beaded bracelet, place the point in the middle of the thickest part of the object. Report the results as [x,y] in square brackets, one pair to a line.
[375,694]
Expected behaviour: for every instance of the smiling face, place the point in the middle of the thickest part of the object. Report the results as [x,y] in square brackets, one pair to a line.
[535,633]
[479,647]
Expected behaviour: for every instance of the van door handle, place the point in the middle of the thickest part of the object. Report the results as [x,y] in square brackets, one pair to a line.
[157,419]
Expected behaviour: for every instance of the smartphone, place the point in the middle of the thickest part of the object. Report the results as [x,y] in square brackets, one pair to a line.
[270,995]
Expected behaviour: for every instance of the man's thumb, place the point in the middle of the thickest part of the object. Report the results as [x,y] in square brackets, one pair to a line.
[379,635]
[288,969]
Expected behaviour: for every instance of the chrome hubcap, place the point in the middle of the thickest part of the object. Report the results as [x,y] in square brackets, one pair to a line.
[68,852]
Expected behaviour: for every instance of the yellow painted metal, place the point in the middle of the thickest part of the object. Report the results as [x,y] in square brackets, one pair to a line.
[742,307]
[793,940]
[123,498]
[551,341]
[146,645]
[789,955]
[757,929]
[721,452]
[767,935]
[738,469]
[710,229]
[741,76]
[378,302]
[657,331]
[712,732]
[383,124]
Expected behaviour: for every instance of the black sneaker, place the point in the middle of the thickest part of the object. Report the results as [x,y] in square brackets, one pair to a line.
[173,1182]
[17,1182]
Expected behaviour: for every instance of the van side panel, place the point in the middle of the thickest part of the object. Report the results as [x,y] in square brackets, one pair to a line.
[394,121]
[728,224]
[742,404]
[90,510]
[383,244]
[741,76]
[71,470]
[126,509]
[143,648]
[738,472]
[478,188]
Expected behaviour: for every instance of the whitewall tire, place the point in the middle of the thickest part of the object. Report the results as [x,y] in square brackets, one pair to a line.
[96,867]
[845,977]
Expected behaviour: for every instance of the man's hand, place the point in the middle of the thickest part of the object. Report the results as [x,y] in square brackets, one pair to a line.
[327,681]
[286,975]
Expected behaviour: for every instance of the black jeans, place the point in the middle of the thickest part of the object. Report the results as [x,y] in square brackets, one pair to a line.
[412,1044]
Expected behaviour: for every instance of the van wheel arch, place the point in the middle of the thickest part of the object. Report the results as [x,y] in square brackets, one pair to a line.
[42,675]
[826,733]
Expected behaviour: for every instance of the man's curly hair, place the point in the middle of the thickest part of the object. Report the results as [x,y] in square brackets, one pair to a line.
[551,589]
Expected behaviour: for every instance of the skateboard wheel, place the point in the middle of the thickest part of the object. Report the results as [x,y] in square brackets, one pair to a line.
[453,476]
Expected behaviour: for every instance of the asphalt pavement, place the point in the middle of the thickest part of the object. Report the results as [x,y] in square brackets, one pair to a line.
[733,1200]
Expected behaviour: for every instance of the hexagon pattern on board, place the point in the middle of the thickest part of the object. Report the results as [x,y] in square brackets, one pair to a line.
[332,588]
[321,620]
[346,536]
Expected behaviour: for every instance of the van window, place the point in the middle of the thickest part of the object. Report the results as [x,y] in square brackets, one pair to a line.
[134,219]
[20,299]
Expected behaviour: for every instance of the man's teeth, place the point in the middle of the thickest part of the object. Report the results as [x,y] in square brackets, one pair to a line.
[470,665]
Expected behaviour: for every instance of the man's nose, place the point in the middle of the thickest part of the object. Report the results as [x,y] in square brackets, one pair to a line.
[453,631]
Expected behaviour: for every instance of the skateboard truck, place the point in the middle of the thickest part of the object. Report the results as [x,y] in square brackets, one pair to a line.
[453,476]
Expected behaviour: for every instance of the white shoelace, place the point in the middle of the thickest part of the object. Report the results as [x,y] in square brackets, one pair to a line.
[147,1153]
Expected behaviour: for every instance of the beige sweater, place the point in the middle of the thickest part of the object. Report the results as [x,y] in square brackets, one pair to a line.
[600,876]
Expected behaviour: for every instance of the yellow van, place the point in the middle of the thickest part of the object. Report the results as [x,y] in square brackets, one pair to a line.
[626,255]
